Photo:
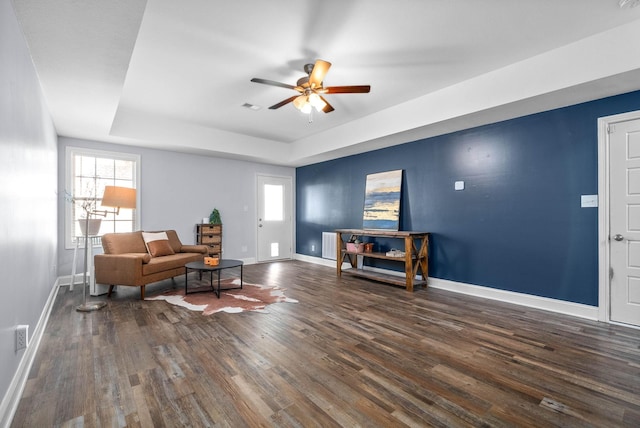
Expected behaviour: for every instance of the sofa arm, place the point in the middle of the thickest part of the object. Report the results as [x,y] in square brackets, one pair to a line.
[120,269]
[203,249]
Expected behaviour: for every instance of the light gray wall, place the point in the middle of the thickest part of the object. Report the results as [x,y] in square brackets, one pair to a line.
[28,223]
[177,190]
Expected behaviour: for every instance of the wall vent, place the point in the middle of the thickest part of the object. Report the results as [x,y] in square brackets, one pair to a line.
[329,245]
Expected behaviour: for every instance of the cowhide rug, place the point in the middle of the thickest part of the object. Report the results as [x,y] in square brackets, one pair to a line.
[252,297]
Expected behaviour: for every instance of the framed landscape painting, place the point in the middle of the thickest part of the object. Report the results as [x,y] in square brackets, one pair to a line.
[382,200]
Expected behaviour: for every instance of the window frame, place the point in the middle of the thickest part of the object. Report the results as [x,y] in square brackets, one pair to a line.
[70,154]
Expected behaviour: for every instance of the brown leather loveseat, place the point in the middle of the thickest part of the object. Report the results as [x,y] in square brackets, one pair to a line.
[127,260]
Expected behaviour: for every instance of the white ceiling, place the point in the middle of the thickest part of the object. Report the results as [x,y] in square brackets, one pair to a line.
[174,74]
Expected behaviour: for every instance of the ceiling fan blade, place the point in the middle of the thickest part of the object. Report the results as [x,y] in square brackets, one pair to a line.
[272,83]
[327,108]
[358,89]
[284,102]
[320,70]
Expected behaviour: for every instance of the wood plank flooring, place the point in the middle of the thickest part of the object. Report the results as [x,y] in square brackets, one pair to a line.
[351,353]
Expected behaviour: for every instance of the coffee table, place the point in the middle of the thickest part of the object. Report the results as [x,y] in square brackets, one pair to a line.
[201,267]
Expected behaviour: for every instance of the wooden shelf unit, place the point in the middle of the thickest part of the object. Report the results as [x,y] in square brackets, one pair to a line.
[416,249]
[211,236]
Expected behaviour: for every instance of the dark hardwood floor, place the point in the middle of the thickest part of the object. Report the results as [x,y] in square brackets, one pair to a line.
[350,353]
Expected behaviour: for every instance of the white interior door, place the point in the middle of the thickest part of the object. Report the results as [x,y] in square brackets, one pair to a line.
[275,223]
[624,217]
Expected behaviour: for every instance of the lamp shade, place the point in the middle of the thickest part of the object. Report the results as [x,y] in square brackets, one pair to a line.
[119,197]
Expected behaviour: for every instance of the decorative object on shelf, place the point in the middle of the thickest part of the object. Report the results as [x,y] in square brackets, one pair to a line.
[354,247]
[368,247]
[395,253]
[113,197]
[382,201]
[214,218]
[211,261]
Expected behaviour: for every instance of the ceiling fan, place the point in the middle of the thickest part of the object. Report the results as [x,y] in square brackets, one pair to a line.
[311,89]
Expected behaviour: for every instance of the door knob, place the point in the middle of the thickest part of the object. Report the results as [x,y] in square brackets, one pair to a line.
[618,237]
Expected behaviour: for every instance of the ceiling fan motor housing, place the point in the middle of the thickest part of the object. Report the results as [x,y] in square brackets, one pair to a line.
[303,82]
[308,68]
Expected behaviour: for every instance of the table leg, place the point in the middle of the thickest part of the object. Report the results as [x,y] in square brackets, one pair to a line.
[339,255]
[211,281]
[218,293]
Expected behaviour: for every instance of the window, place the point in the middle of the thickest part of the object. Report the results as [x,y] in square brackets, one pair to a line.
[88,172]
[273,202]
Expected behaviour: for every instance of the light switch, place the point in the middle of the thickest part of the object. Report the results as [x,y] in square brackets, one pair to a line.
[589,201]
[459,185]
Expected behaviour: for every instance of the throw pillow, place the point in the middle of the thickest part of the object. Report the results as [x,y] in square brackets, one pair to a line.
[157,244]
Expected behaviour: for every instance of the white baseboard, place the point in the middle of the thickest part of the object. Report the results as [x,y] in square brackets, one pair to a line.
[528,300]
[249,261]
[315,260]
[12,397]
[65,280]
[94,289]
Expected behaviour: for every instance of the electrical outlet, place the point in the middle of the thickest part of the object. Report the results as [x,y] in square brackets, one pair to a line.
[22,337]
[313,248]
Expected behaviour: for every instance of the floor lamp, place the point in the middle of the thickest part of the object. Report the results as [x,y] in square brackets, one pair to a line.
[114,197]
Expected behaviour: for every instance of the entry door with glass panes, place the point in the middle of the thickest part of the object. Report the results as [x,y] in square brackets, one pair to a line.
[275,224]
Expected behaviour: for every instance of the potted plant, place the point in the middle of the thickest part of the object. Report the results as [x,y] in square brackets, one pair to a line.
[214,218]
[88,226]
[92,224]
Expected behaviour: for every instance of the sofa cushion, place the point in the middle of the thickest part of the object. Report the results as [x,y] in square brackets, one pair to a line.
[157,244]
[121,243]
[174,241]
[175,261]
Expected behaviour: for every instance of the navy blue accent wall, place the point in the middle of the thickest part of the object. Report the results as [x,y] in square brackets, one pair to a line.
[516,226]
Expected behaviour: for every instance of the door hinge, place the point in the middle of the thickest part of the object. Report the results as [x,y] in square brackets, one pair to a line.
[611,129]
[610,273]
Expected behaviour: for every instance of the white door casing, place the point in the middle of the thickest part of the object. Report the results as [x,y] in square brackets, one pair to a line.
[275,220]
[624,217]
[619,218]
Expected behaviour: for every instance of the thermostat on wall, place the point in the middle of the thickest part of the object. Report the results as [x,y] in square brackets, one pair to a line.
[459,185]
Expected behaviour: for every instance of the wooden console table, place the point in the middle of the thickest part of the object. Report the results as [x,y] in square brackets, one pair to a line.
[416,249]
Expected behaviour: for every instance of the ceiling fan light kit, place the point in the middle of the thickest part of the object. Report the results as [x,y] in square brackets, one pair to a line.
[304,103]
[311,89]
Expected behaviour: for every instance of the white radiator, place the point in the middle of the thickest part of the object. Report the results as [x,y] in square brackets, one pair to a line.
[329,245]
